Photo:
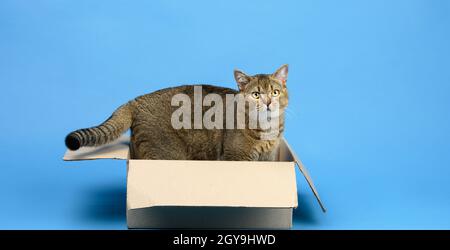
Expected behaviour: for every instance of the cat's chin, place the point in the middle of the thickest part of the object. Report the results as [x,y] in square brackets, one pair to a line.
[273,115]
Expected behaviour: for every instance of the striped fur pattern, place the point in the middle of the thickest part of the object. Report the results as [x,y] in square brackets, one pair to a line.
[117,124]
[153,137]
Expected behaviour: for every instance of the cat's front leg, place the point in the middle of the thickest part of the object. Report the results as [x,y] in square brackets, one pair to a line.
[237,147]
[269,156]
[239,152]
[236,155]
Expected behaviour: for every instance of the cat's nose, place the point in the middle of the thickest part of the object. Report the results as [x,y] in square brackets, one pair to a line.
[273,107]
[267,101]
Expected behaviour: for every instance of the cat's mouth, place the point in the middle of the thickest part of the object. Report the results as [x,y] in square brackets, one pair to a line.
[269,113]
[272,114]
[271,110]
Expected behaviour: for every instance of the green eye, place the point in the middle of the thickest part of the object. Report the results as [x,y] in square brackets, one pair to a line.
[255,95]
[276,92]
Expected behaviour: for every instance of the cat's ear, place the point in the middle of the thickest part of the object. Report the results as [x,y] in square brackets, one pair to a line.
[241,78]
[281,74]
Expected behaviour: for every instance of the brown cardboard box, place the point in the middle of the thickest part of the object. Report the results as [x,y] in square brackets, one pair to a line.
[206,194]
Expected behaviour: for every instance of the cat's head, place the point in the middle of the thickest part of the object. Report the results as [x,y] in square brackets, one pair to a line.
[265,91]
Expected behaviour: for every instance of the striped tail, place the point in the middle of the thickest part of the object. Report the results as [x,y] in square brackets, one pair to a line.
[117,124]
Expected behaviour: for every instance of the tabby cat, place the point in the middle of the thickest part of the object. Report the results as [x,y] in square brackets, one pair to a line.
[154,137]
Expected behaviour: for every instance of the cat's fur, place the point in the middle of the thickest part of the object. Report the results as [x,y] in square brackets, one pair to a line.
[153,137]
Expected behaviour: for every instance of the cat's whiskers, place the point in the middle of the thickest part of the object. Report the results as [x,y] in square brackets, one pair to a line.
[290,114]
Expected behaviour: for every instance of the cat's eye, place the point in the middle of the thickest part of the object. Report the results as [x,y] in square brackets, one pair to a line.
[276,92]
[255,95]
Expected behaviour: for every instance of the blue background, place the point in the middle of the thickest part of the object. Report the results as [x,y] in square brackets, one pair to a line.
[369,110]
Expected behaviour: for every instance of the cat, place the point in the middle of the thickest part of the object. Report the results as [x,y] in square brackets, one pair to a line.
[153,135]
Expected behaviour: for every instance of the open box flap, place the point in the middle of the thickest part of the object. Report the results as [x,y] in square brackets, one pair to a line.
[117,149]
[303,170]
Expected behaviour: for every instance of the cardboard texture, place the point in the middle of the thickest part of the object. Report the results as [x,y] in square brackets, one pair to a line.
[206,194]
